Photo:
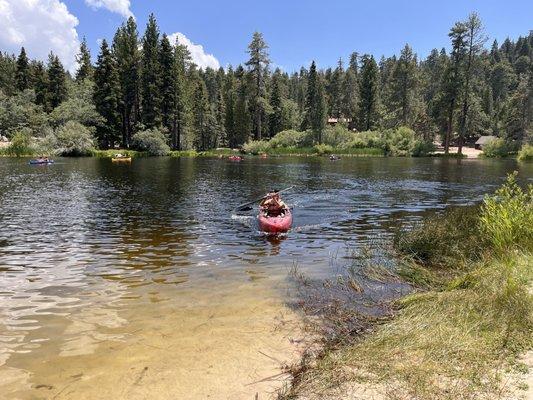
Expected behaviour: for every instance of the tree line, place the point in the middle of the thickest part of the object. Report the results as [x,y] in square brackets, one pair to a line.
[146,82]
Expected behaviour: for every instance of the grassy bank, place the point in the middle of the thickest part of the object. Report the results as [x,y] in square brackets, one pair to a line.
[460,333]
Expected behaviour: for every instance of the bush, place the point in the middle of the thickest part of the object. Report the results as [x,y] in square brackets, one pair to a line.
[322,149]
[257,146]
[495,148]
[365,139]
[292,138]
[70,139]
[400,142]
[20,143]
[507,216]
[526,153]
[337,136]
[443,239]
[152,141]
[421,148]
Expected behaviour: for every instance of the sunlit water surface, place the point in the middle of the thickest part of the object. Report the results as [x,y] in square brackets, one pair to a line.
[140,281]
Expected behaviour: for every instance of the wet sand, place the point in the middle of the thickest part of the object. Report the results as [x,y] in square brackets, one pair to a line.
[228,344]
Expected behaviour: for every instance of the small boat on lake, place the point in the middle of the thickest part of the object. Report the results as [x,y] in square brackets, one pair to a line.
[235,158]
[333,157]
[41,161]
[274,215]
[275,224]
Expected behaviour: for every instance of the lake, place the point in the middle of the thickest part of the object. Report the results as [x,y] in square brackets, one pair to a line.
[139,280]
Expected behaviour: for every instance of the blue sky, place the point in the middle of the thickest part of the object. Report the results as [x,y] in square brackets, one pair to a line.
[297,31]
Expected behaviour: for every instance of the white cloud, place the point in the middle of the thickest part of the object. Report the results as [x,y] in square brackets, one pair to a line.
[198,54]
[40,26]
[121,7]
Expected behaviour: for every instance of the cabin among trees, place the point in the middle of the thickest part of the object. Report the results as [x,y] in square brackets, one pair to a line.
[483,140]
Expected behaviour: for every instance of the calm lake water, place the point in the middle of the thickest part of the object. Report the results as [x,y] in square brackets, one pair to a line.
[140,281]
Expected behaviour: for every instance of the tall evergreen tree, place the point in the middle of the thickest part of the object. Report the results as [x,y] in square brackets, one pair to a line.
[315,109]
[369,112]
[350,90]
[230,99]
[182,60]
[151,75]
[168,82]
[106,97]
[242,116]
[126,52]
[258,64]
[85,67]
[57,88]
[276,102]
[40,85]
[474,39]
[23,71]
[404,95]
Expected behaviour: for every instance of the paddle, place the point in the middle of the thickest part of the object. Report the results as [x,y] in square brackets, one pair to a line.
[246,206]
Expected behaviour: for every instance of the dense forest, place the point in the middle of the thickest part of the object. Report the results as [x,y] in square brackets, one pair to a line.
[140,84]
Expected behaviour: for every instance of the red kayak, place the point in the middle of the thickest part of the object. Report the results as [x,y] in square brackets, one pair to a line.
[278,224]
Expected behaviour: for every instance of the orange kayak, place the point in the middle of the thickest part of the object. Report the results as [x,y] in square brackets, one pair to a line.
[279,224]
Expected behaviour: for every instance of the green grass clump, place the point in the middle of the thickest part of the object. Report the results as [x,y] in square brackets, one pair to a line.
[459,338]
[111,153]
[526,153]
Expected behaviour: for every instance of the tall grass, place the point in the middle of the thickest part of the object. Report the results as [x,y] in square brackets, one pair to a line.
[459,337]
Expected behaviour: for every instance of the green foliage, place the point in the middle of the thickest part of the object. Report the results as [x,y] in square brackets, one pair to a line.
[315,106]
[292,138]
[70,139]
[507,216]
[256,146]
[20,143]
[422,149]
[495,148]
[403,142]
[20,111]
[152,141]
[78,107]
[526,153]
[322,149]
[337,136]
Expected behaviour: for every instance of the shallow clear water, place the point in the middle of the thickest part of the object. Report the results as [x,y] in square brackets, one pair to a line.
[128,281]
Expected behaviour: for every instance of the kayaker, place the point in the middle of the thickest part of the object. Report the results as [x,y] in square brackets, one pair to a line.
[272,205]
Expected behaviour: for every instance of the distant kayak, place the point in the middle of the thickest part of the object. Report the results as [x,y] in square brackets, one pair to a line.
[121,159]
[275,224]
[235,158]
[40,162]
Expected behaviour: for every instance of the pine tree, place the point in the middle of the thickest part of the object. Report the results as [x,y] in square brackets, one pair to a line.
[336,89]
[151,76]
[350,90]
[23,76]
[276,102]
[85,68]
[404,84]
[40,84]
[452,78]
[168,82]
[126,52]
[258,65]
[106,97]
[369,113]
[242,116]
[57,89]
[229,99]
[181,115]
[315,110]
[474,44]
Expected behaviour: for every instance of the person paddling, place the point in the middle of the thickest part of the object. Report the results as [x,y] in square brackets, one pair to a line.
[272,205]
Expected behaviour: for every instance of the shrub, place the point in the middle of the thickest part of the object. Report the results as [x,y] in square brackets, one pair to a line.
[323,149]
[337,136]
[421,148]
[365,139]
[400,142]
[292,138]
[507,216]
[495,148]
[526,153]
[20,143]
[257,146]
[152,141]
[443,239]
[70,139]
